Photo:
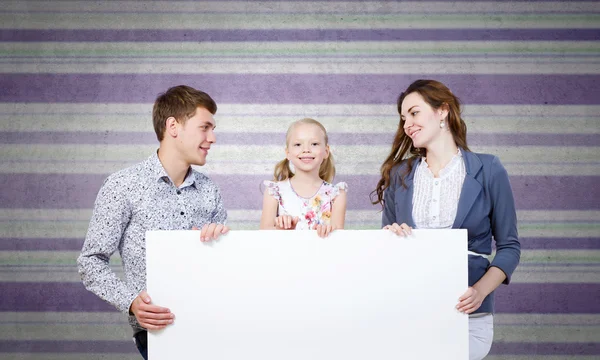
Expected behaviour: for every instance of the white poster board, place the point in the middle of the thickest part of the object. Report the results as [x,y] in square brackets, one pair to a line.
[286,295]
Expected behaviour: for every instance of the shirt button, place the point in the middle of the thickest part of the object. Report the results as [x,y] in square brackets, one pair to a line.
[434,200]
[178,192]
[182,213]
[436,182]
[434,218]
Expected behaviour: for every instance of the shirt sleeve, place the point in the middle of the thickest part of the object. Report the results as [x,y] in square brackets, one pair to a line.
[220,214]
[504,221]
[109,220]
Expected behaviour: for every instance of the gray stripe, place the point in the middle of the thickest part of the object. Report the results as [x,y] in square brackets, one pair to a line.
[531,274]
[317,66]
[241,138]
[294,21]
[377,7]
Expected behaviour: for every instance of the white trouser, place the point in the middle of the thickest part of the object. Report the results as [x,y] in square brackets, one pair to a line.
[481,334]
[481,330]
[478,254]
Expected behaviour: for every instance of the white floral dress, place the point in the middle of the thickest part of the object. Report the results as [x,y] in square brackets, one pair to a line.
[312,211]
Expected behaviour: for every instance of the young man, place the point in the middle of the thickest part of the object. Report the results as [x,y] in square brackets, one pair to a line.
[161,193]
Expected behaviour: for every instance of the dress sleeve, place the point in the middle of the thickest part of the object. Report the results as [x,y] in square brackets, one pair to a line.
[272,188]
[337,188]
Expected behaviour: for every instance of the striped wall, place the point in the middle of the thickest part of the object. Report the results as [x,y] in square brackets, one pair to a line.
[77,83]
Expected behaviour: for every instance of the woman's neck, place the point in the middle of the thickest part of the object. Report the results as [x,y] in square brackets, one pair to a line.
[440,154]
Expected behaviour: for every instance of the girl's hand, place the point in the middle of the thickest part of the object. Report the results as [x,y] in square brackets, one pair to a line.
[286,222]
[470,301]
[323,230]
[401,230]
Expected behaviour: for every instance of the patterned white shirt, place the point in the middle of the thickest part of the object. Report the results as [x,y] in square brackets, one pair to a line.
[131,202]
[435,200]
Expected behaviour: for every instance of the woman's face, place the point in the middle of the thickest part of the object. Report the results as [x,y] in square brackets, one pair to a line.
[421,121]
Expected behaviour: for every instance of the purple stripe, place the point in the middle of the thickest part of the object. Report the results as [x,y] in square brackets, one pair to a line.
[75,244]
[544,348]
[127,347]
[303,35]
[43,297]
[240,138]
[465,2]
[592,243]
[548,298]
[516,298]
[68,191]
[68,346]
[15,244]
[297,89]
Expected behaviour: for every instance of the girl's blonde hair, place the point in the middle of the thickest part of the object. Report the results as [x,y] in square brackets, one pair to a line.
[326,171]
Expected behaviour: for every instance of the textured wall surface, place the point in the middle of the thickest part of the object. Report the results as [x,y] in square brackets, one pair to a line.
[77,83]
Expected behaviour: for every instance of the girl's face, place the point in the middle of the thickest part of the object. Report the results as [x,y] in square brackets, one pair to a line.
[421,121]
[306,147]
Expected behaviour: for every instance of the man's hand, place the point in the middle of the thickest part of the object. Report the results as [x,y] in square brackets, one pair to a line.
[151,317]
[211,231]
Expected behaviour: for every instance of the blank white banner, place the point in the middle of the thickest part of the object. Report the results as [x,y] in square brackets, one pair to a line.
[286,295]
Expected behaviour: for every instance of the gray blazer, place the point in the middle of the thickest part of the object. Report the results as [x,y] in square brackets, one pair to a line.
[486,208]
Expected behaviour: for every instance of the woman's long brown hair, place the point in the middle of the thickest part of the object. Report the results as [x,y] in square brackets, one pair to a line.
[437,95]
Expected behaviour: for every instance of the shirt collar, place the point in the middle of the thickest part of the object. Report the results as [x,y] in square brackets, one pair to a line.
[424,167]
[159,173]
[155,167]
[191,179]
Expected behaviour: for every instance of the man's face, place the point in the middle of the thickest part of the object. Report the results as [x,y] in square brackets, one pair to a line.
[195,137]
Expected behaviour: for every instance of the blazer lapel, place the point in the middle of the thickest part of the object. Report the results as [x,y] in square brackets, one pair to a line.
[470,189]
[405,204]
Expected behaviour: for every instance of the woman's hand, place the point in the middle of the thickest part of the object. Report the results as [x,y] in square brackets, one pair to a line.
[401,230]
[470,301]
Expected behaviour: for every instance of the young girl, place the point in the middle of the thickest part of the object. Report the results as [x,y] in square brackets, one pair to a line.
[431,180]
[305,198]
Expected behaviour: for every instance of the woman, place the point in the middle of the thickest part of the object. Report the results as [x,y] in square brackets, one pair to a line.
[431,180]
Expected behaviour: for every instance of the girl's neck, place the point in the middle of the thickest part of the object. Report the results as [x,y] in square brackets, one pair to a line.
[439,154]
[306,184]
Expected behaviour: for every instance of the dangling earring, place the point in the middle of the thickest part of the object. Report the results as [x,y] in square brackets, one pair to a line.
[442,124]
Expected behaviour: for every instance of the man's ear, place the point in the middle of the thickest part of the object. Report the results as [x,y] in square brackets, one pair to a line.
[171,127]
